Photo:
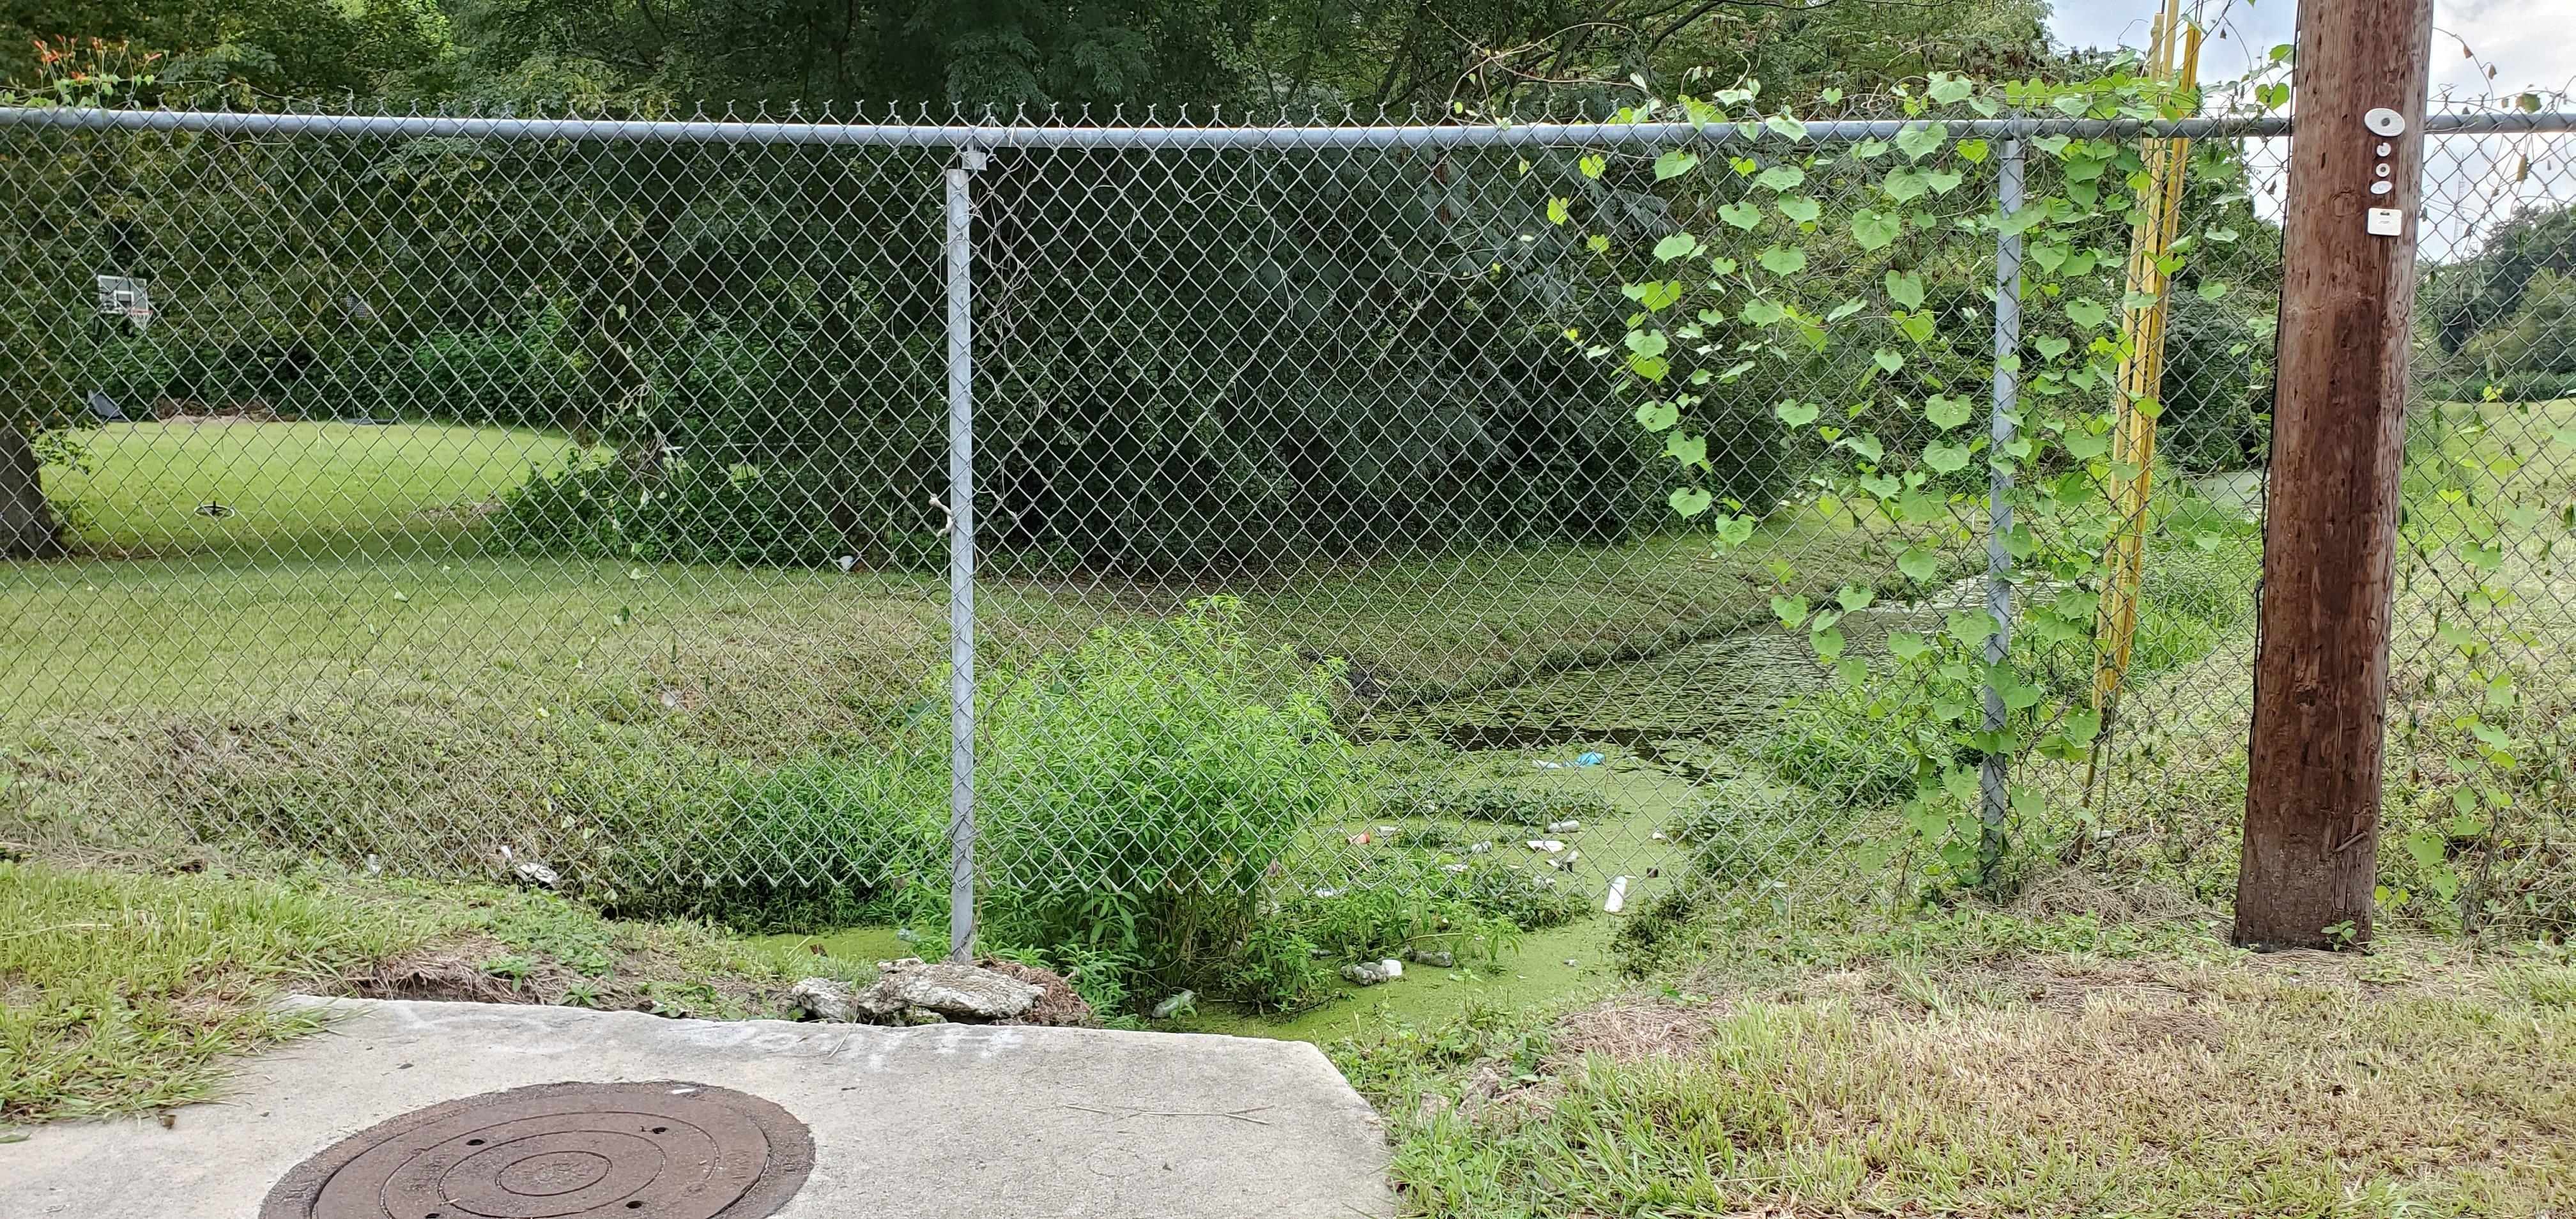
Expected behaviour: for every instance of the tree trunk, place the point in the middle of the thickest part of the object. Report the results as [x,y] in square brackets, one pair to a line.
[2311,852]
[28,529]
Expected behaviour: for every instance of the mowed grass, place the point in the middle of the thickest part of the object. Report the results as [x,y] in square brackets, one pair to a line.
[2073,1073]
[122,993]
[348,559]
[240,487]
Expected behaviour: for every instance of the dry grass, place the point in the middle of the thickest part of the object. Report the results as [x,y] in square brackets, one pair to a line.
[2414,1081]
[122,992]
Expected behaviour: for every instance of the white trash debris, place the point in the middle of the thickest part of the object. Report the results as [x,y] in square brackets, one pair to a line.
[1453,867]
[1548,845]
[1177,1004]
[1480,848]
[1370,973]
[1658,836]
[1618,898]
[1565,862]
[1435,958]
[1563,827]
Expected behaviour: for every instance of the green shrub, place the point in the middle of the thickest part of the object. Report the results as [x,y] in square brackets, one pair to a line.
[1142,790]
[597,505]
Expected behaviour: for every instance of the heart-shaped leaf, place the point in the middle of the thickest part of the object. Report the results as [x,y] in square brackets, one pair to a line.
[1734,530]
[1905,288]
[1904,185]
[2087,312]
[1656,416]
[1786,126]
[1919,565]
[1742,215]
[1690,501]
[1950,90]
[1874,230]
[1759,312]
[1782,177]
[1592,165]
[1649,342]
[1887,360]
[1796,413]
[1906,645]
[1945,458]
[2050,346]
[1801,208]
[1783,260]
[1942,181]
[1919,140]
[1792,611]
[1654,294]
[1854,598]
[1916,325]
[1946,412]
[1558,211]
[1688,450]
[1679,245]
[1674,163]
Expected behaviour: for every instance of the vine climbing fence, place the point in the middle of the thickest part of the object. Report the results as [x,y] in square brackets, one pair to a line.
[1213,527]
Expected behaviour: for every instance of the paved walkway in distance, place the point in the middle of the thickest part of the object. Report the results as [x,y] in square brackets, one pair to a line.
[931,1122]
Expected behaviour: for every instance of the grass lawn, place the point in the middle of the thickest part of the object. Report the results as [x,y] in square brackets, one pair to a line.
[1989,1065]
[336,663]
[122,993]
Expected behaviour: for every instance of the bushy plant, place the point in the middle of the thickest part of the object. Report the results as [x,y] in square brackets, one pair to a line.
[688,510]
[1142,790]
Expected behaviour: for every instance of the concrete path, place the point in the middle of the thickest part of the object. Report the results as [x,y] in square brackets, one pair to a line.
[918,1123]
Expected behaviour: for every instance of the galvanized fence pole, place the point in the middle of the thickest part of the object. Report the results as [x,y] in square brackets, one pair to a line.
[961,553]
[1994,776]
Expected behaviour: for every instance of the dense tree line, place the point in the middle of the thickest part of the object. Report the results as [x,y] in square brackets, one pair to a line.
[1100,53]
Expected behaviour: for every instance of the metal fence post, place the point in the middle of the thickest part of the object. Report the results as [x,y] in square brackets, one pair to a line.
[961,553]
[1995,774]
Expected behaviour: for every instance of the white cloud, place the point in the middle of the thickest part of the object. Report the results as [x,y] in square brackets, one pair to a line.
[2528,42]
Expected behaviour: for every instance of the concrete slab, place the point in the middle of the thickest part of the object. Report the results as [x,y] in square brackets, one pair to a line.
[918,1123]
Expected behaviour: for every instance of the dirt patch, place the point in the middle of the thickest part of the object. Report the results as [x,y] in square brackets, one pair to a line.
[2070,891]
[478,969]
[1632,1029]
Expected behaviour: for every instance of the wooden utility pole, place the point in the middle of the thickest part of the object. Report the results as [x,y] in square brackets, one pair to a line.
[2311,851]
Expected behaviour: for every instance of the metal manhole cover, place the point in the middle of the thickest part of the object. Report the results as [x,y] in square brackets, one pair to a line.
[663,1150]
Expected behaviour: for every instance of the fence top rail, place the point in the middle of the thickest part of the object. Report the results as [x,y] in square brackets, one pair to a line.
[1029,134]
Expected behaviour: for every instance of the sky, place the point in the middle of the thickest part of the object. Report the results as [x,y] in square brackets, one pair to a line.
[2528,42]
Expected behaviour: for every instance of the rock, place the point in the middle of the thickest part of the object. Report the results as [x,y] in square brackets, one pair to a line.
[1182,1002]
[1437,959]
[1370,973]
[955,992]
[1059,1007]
[821,999]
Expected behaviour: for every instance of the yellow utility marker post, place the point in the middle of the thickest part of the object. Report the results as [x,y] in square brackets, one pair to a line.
[2133,436]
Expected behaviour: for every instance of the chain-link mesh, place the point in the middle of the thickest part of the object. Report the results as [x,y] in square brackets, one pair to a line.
[571,502]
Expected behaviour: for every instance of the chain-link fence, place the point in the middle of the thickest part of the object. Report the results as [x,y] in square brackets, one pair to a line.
[586,502]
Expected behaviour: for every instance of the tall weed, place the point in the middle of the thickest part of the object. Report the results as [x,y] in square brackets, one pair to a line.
[1143,791]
